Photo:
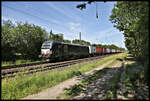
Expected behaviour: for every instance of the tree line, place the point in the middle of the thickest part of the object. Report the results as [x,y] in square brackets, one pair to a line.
[132,19]
[21,38]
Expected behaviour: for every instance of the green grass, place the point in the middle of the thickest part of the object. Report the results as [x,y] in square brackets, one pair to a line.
[132,74]
[77,88]
[133,80]
[18,62]
[114,85]
[22,86]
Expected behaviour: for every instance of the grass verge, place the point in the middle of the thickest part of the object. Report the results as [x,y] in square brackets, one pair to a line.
[131,80]
[135,83]
[111,94]
[18,62]
[22,86]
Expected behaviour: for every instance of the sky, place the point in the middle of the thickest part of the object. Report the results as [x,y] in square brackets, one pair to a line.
[64,17]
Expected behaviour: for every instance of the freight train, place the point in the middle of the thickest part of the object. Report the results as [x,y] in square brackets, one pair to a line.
[55,50]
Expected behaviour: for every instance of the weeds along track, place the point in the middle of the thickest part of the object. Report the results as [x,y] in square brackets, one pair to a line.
[33,68]
[23,65]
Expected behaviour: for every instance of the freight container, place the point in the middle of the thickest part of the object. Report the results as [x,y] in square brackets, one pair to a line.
[92,49]
[107,50]
[98,50]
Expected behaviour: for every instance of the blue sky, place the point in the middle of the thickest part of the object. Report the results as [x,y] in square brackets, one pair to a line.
[64,17]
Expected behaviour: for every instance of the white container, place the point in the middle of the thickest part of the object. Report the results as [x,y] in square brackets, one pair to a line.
[92,49]
[107,50]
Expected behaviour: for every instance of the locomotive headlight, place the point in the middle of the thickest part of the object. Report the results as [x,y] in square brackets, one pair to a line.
[49,52]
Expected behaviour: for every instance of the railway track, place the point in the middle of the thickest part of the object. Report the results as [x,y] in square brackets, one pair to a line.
[37,67]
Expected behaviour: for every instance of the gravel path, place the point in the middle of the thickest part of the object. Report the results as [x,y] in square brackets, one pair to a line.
[98,88]
[53,92]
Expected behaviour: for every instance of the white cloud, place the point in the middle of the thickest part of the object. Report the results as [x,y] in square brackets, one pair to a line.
[64,10]
[107,33]
[72,31]
[74,27]
[6,18]
[107,36]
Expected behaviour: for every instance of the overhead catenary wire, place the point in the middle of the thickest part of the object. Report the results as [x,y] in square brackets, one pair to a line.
[39,18]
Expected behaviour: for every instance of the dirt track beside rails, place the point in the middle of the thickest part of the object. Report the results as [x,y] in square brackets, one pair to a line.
[98,88]
[53,92]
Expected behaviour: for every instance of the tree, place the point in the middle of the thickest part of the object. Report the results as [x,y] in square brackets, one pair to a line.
[23,38]
[67,41]
[8,41]
[29,39]
[82,42]
[83,6]
[129,20]
[56,37]
[132,18]
[51,35]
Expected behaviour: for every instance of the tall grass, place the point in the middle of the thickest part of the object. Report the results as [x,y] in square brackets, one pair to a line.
[22,86]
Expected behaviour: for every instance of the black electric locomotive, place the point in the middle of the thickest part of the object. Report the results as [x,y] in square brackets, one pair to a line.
[55,50]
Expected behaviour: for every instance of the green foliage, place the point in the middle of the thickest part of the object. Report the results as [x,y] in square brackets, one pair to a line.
[132,19]
[66,41]
[112,93]
[30,40]
[51,35]
[56,37]
[18,62]
[23,38]
[77,88]
[133,73]
[83,42]
[83,5]
[74,90]
[7,41]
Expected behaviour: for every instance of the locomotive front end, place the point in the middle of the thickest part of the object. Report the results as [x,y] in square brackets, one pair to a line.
[46,50]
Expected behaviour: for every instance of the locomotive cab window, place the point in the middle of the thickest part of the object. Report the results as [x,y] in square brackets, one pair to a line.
[46,45]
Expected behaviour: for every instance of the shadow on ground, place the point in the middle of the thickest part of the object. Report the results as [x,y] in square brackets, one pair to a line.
[129,58]
[97,87]
[119,59]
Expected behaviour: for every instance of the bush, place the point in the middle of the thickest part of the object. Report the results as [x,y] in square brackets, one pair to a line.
[23,38]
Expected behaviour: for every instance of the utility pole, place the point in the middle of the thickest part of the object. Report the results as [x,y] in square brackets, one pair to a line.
[80,37]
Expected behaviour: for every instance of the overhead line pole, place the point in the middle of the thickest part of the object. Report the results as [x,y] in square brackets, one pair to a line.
[80,37]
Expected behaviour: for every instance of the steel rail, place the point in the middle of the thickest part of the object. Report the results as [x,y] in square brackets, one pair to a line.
[11,72]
